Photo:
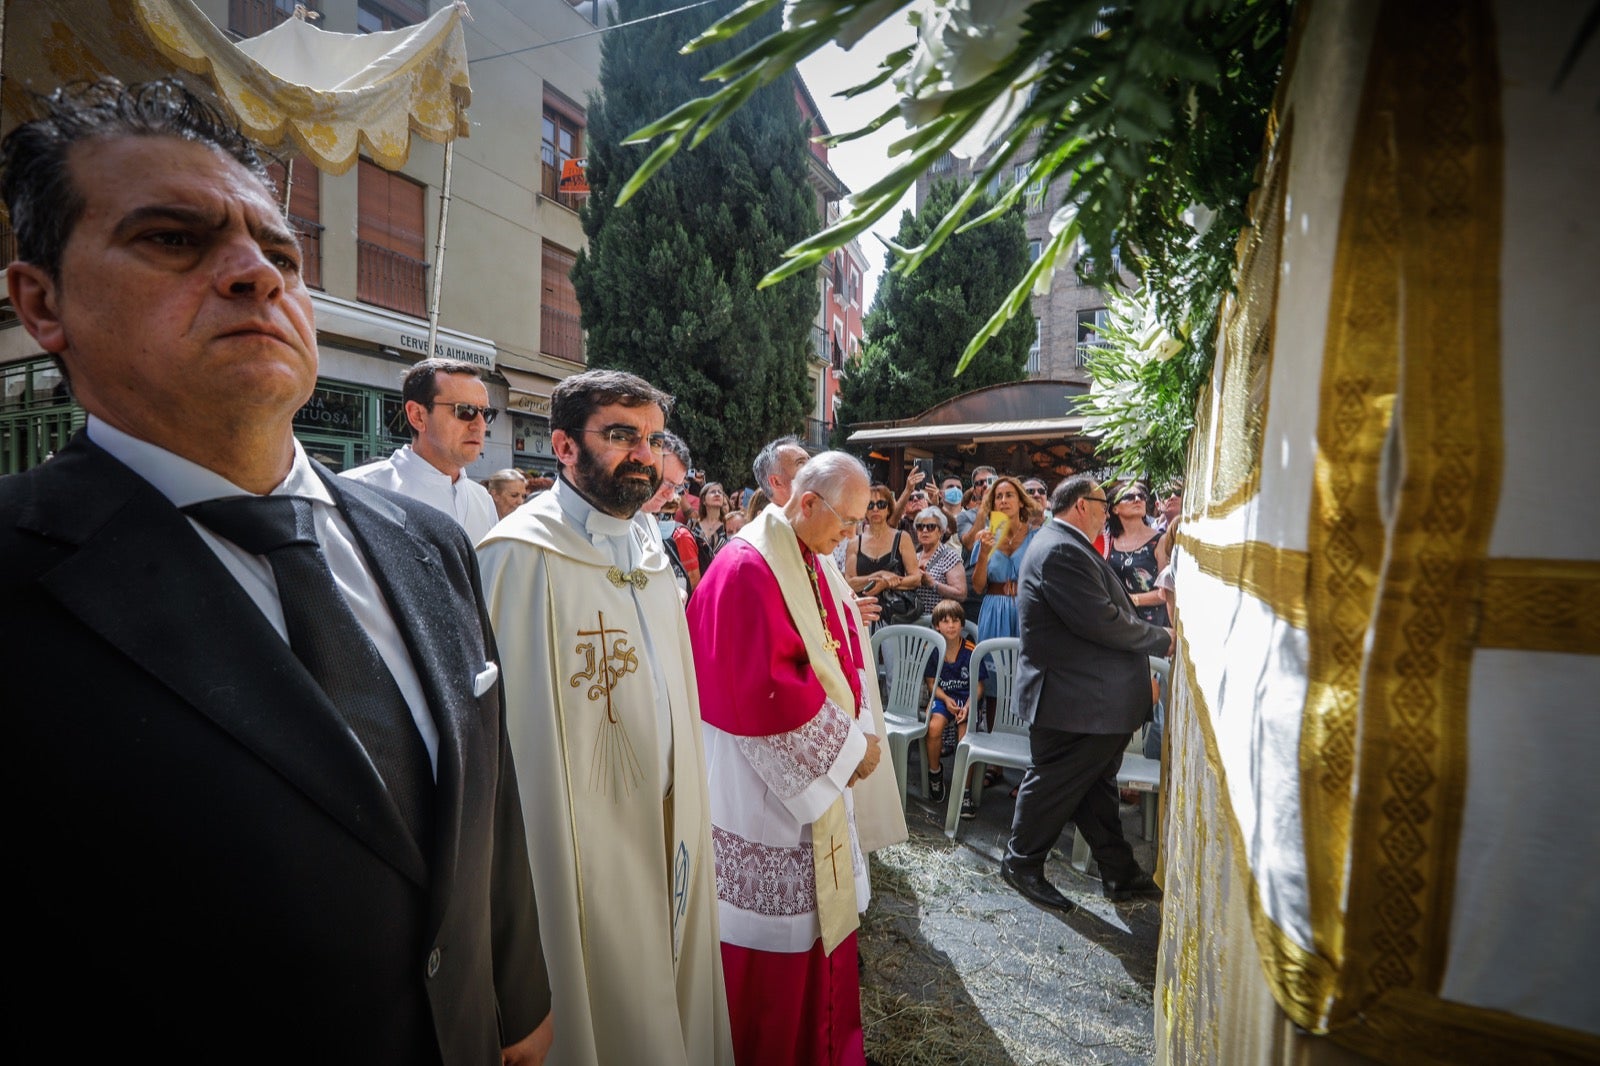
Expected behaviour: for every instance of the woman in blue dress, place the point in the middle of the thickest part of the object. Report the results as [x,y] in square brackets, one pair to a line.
[1005,519]
[1006,516]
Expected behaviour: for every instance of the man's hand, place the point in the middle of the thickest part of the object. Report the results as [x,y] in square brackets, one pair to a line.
[531,1049]
[869,761]
[869,608]
[1172,643]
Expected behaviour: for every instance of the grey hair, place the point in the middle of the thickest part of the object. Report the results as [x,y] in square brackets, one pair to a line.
[502,477]
[827,473]
[933,512]
[680,450]
[766,460]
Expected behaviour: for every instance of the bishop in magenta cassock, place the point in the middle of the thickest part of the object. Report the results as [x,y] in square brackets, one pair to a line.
[787,704]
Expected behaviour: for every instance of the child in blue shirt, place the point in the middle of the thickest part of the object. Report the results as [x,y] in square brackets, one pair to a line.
[953,689]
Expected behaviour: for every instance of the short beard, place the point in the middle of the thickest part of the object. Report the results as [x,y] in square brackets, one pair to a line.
[608,489]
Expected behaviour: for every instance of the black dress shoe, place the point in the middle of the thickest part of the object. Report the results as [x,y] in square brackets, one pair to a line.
[1139,886]
[1031,883]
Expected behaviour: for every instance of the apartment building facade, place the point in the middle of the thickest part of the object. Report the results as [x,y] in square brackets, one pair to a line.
[371,240]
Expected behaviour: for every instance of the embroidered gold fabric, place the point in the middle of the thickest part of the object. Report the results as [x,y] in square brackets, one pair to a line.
[1276,576]
[1345,532]
[1438,58]
[1541,605]
[1244,348]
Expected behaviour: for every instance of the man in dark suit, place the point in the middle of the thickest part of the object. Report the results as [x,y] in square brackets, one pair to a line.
[1083,686]
[226,843]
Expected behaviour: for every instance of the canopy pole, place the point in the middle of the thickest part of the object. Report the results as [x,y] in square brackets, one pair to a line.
[438,251]
[288,182]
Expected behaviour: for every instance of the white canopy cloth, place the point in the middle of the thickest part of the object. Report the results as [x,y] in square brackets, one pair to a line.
[336,96]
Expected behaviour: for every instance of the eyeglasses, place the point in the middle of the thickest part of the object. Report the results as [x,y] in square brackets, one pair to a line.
[877,505]
[629,438]
[468,411]
[1136,497]
[847,523]
[924,527]
[1037,492]
[1096,499]
[675,486]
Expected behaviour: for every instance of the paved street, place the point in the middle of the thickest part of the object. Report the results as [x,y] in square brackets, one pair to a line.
[960,969]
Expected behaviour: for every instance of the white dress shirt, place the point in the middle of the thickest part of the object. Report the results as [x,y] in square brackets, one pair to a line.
[406,472]
[184,483]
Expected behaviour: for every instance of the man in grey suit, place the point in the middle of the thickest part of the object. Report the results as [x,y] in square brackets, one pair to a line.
[1083,686]
[262,801]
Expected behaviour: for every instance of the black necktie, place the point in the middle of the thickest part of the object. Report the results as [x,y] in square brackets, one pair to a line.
[328,640]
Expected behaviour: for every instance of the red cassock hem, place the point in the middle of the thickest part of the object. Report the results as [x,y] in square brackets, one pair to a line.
[795,1009]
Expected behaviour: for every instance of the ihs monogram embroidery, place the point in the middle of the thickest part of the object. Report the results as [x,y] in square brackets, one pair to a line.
[606,661]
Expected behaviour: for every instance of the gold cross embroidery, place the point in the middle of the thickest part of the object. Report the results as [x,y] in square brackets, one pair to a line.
[606,661]
[833,857]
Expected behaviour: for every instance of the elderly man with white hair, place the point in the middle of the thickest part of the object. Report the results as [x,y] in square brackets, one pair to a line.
[787,699]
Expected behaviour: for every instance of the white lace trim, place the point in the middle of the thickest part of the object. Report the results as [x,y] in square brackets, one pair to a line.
[788,763]
[779,882]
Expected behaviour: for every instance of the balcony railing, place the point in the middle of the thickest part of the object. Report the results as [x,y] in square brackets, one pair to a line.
[310,250]
[391,279]
[816,434]
[550,183]
[819,344]
[560,334]
[1087,348]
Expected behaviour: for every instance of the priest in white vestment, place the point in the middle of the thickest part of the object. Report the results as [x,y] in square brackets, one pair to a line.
[786,695]
[604,723]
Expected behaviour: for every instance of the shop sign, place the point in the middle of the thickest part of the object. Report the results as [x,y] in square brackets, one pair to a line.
[531,436]
[332,410]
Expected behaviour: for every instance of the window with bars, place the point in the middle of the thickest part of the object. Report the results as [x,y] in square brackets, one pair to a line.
[391,237]
[560,324]
[1089,340]
[305,213]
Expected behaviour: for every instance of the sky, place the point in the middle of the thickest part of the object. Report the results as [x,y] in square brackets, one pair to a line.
[862,162]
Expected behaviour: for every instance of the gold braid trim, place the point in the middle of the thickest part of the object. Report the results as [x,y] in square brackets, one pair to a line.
[1438,58]
[1541,605]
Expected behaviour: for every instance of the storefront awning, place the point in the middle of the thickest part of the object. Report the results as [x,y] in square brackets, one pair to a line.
[1025,429]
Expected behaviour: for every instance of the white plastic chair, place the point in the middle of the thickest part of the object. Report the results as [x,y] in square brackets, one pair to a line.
[1138,773]
[1007,745]
[902,653]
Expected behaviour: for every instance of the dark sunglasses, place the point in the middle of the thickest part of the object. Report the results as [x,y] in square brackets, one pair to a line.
[877,505]
[1037,492]
[925,526]
[1136,497]
[468,411]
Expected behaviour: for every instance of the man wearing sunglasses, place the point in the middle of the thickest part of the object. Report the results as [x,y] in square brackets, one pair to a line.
[603,715]
[447,409]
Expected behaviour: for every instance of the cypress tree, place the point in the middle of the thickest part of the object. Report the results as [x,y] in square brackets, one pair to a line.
[667,285]
[920,323]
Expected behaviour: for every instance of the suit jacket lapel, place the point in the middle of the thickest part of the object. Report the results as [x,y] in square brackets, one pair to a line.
[145,582]
[425,606]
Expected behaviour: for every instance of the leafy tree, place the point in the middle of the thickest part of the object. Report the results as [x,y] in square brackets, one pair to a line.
[667,285]
[1150,113]
[920,322]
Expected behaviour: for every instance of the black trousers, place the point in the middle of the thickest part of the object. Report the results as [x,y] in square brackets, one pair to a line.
[1073,778]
